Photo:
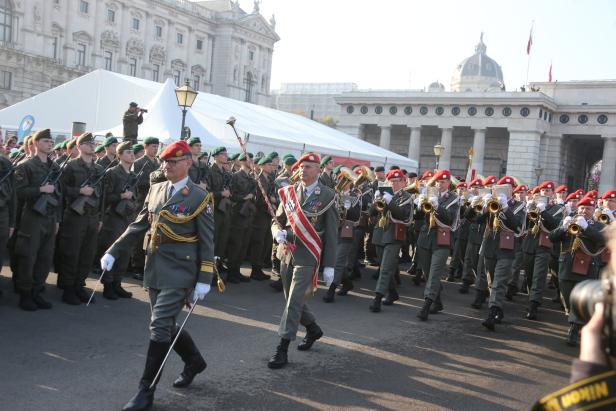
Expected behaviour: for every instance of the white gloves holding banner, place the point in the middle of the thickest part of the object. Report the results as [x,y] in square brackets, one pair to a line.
[281,237]
[328,275]
[201,290]
[107,262]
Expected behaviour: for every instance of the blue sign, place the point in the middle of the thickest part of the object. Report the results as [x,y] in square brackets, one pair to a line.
[25,127]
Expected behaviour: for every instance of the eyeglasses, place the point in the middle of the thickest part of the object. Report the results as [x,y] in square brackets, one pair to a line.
[173,162]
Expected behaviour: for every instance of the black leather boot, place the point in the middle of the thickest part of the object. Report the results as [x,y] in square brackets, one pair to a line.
[40,302]
[480,298]
[573,335]
[279,359]
[490,322]
[233,276]
[437,306]
[145,396]
[193,361]
[500,314]
[533,308]
[69,296]
[451,276]
[82,294]
[277,285]
[109,293]
[26,302]
[425,310]
[464,287]
[121,292]
[347,285]
[313,333]
[391,297]
[258,274]
[331,292]
[511,292]
[375,307]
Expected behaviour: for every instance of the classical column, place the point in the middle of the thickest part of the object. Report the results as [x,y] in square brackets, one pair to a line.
[415,143]
[385,139]
[523,155]
[479,145]
[608,165]
[445,159]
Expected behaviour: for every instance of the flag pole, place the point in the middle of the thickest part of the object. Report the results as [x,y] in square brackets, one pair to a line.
[528,48]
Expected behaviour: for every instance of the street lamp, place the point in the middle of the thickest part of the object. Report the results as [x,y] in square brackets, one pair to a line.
[186,97]
[538,172]
[438,149]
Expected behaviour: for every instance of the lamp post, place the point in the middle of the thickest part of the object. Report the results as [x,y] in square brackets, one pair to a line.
[438,149]
[186,97]
[538,172]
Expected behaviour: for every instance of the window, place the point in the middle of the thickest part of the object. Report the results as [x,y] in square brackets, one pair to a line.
[158,31]
[108,60]
[54,48]
[132,66]
[155,72]
[135,24]
[84,6]
[196,82]
[177,76]
[180,38]
[6,21]
[199,44]
[81,54]
[251,55]
[5,79]
[110,16]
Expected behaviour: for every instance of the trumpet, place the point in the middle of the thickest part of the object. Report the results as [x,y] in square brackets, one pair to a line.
[478,203]
[294,177]
[493,203]
[413,188]
[602,217]
[426,205]
[345,179]
[533,207]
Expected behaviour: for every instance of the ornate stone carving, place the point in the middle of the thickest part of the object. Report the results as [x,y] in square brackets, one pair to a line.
[157,54]
[134,47]
[178,64]
[82,36]
[110,39]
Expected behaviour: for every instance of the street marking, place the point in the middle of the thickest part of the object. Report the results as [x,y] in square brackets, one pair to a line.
[59,357]
[46,387]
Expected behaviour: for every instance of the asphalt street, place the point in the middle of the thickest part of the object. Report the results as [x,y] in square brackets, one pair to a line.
[91,358]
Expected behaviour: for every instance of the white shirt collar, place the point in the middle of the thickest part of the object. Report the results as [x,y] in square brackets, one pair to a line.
[178,185]
[310,189]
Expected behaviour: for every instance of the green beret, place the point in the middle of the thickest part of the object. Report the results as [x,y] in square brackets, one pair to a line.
[337,169]
[13,154]
[57,147]
[137,148]
[325,160]
[72,143]
[218,150]
[242,156]
[41,134]
[85,138]
[264,161]
[193,140]
[109,141]
[233,157]
[289,160]
[124,146]
[99,149]
[287,156]
[133,104]
[64,143]
[355,166]
[151,140]
[273,155]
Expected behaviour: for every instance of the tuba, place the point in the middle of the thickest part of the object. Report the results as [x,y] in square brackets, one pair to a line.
[345,179]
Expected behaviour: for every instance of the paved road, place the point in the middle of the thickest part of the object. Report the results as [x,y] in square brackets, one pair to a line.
[77,358]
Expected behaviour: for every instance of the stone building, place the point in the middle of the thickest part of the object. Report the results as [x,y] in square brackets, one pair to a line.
[215,45]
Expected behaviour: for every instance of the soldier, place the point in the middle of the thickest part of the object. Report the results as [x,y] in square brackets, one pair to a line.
[71,149]
[178,217]
[475,236]
[8,204]
[518,260]
[219,183]
[139,151]
[235,164]
[81,185]
[609,204]
[110,144]
[395,214]
[326,177]
[198,170]
[561,192]
[147,164]
[437,235]
[308,219]
[57,151]
[120,210]
[460,237]
[421,249]
[243,192]
[260,234]
[99,151]
[131,120]
[34,243]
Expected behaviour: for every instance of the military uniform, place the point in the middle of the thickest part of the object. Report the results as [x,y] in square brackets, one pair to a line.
[105,162]
[131,123]
[326,179]
[260,234]
[198,172]
[218,180]
[8,203]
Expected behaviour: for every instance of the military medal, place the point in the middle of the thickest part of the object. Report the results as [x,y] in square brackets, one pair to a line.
[317,190]
[185,191]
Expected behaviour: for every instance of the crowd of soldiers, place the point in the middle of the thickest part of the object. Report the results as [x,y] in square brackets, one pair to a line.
[62,206]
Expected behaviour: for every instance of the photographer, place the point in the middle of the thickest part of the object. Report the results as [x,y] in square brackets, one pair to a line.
[131,120]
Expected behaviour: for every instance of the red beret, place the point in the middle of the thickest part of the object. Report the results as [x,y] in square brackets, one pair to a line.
[175,150]
[561,188]
[587,201]
[308,158]
[580,192]
[573,196]
[489,180]
[476,183]
[428,174]
[534,190]
[507,180]
[461,184]
[442,175]
[520,188]
[609,195]
[592,193]
[394,174]
[546,185]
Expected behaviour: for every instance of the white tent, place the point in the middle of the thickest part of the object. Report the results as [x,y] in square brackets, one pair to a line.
[100,98]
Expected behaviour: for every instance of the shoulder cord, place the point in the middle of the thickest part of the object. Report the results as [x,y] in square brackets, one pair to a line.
[327,207]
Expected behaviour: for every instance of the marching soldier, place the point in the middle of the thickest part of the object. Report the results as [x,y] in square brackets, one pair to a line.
[198,170]
[81,185]
[139,151]
[308,219]
[219,183]
[326,177]
[63,151]
[260,234]
[110,145]
[8,204]
[416,268]
[99,151]
[475,236]
[395,214]
[120,210]
[35,185]
[178,216]
[518,260]
[460,237]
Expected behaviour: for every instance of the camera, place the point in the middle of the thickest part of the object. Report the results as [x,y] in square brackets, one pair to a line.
[143,110]
[583,298]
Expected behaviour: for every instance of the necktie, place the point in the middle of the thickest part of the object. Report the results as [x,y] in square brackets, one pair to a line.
[171,191]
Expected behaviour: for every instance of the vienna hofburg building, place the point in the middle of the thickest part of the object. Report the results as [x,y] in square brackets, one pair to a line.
[215,45]
[552,130]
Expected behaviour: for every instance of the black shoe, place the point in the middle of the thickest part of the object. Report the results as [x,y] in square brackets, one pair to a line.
[573,335]
[532,310]
[143,400]
[40,301]
[500,314]
[277,285]
[371,261]
[412,269]
[82,294]
[375,307]
[193,361]
[313,333]
[355,273]
[391,297]
[464,287]
[331,292]
[258,275]
[69,296]
[26,302]
[451,278]
[418,278]
[425,310]
[233,277]
[511,292]
[121,292]
[480,298]
[490,322]
[145,396]
[437,305]
[279,359]
[347,285]
[244,279]
[109,293]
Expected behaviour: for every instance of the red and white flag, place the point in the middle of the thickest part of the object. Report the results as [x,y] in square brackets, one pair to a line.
[550,73]
[530,41]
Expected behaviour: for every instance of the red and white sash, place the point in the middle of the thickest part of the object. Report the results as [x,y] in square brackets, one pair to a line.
[302,228]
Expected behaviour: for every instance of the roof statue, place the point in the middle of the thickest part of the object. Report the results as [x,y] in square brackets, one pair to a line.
[478,73]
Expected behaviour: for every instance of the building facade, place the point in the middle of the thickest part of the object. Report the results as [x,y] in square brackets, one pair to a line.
[215,45]
[557,130]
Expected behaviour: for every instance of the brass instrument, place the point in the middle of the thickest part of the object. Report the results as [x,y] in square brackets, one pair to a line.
[493,203]
[426,205]
[574,228]
[294,177]
[365,175]
[379,205]
[601,217]
[346,179]
[413,188]
[533,207]
[478,203]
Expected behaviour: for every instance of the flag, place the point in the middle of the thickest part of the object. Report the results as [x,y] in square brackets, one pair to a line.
[470,173]
[550,73]
[530,41]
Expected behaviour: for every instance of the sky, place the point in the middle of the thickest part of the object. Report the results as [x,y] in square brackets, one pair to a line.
[402,44]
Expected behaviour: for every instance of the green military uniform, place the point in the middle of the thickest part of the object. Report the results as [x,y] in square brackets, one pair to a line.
[8,202]
[473,245]
[218,180]
[198,172]
[326,179]
[260,234]
[131,123]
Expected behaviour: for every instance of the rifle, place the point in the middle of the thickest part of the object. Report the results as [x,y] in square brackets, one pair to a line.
[45,199]
[124,204]
[18,158]
[78,205]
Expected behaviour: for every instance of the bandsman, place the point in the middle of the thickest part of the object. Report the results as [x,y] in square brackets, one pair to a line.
[8,203]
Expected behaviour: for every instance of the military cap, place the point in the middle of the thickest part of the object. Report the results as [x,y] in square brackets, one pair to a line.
[461,184]
[124,146]
[476,183]
[609,195]
[57,147]
[547,185]
[427,175]
[573,196]
[395,173]
[289,161]
[378,169]
[218,150]
[273,155]
[242,156]
[99,149]
[561,188]
[233,156]
[71,144]
[442,175]
[133,104]
[109,141]
[412,175]
[308,158]
[41,134]
[175,150]
[587,201]
[137,148]
[64,143]
[325,160]
[193,140]
[394,167]
[287,156]
[85,138]
[264,161]
[337,169]
[520,188]
[489,180]
[592,193]
[151,140]
[507,180]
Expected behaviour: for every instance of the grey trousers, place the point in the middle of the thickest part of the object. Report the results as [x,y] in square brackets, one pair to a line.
[166,305]
[566,286]
[502,273]
[389,266]
[537,269]
[471,257]
[343,252]
[481,282]
[516,266]
[296,283]
[437,264]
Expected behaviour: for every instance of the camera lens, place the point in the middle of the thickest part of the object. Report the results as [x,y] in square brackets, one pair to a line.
[583,298]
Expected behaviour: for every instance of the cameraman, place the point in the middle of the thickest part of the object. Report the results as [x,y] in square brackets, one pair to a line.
[131,120]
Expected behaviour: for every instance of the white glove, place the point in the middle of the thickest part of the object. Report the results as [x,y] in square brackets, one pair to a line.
[502,199]
[107,262]
[347,204]
[472,199]
[420,199]
[567,222]
[387,197]
[581,221]
[201,290]
[434,201]
[377,195]
[281,236]
[328,275]
[487,198]
[541,207]
[560,201]
[567,209]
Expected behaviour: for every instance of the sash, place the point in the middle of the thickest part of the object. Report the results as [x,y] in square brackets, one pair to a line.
[302,228]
